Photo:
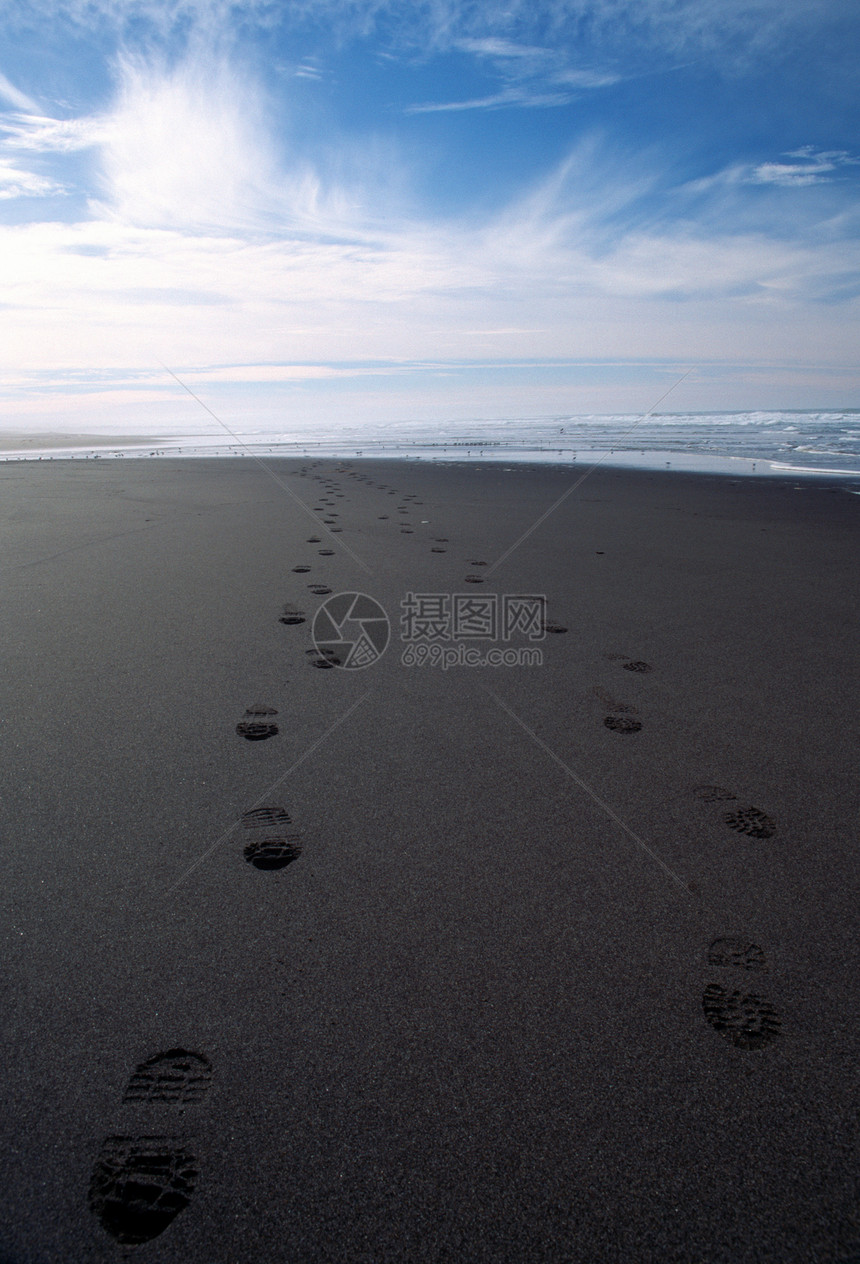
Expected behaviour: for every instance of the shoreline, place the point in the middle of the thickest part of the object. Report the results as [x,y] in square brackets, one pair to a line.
[645,460]
[802,444]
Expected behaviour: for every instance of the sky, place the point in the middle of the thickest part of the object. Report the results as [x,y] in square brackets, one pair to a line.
[335,211]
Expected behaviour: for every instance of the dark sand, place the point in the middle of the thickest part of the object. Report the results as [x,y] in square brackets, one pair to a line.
[467,1023]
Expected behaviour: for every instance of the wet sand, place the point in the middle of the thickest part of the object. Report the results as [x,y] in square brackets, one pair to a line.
[564,964]
[20,441]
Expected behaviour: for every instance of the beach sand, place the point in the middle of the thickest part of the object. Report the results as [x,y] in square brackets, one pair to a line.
[538,987]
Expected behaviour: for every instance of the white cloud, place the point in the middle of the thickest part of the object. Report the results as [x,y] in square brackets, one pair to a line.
[788,174]
[38,134]
[15,183]
[191,145]
[524,97]
[8,92]
[813,167]
[247,373]
[494,47]
[186,146]
[585,78]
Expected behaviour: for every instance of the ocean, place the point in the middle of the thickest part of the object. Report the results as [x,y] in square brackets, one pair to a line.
[822,443]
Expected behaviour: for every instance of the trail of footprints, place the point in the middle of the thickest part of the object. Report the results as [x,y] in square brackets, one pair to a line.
[143,1178]
[740,1014]
[331,488]
[405,505]
[146,1173]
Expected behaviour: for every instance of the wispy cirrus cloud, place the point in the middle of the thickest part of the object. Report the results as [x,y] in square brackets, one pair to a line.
[36,133]
[190,143]
[731,29]
[186,145]
[525,96]
[532,77]
[15,182]
[282,265]
[811,167]
[492,46]
[20,100]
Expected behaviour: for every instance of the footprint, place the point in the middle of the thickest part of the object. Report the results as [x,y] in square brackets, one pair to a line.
[314,539]
[301,570]
[474,579]
[319,590]
[630,664]
[326,552]
[271,846]
[744,820]
[437,549]
[746,1019]
[554,627]
[623,715]
[140,1183]
[256,727]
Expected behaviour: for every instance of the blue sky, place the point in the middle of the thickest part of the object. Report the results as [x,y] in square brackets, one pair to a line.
[333,210]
